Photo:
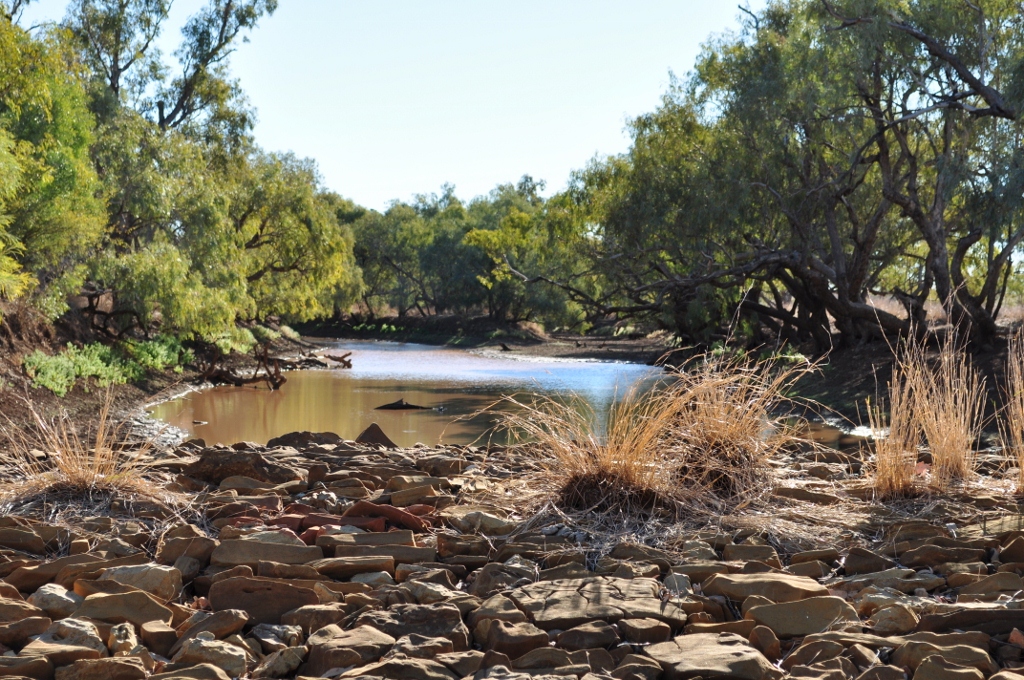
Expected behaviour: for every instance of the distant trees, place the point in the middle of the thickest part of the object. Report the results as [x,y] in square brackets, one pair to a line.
[828,152]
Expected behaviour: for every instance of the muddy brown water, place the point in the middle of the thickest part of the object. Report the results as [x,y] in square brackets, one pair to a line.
[453,383]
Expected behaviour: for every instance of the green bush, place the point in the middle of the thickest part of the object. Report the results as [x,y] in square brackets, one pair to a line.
[108,365]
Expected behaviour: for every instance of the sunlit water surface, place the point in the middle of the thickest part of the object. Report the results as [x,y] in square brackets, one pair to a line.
[453,383]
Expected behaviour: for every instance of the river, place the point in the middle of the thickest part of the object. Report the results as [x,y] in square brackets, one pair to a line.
[453,383]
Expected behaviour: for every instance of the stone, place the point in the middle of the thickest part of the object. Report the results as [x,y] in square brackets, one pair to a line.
[803,617]
[883,672]
[216,465]
[251,552]
[937,668]
[347,567]
[35,667]
[513,639]
[264,600]
[707,655]
[17,633]
[135,607]
[203,671]
[896,619]
[747,553]
[170,550]
[122,639]
[121,668]
[374,579]
[28,578]
[636,667]
[765,641]
[220,624]
[55,600]
[996,583]
[778,588]
[280,664]
[813,652]
[158,637]
[419,647]
[204,649]
[912,654]
[645,631]
[588,636]
[16,610]
[403,668]
[434,620]
[162,581]
[275,638]
[314,617]
[24,540]
[331,647]
[67,641]
[863,561]
[374,435]
[933,555]
[571,602]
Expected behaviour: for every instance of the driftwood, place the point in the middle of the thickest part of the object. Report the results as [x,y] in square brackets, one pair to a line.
[342,359]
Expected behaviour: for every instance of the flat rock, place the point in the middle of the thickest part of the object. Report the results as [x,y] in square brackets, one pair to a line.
[331,647]
[251,552]
[803,617]
[722,657]
[264,600]
[215,465]
[136,607]
[567,603]
[435,620]
[778,588]
[162,581]
[120,668]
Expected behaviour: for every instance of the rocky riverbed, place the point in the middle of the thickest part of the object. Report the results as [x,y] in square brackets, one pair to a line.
[320,557]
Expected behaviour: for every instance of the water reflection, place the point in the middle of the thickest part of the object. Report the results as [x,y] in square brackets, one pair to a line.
[451,382]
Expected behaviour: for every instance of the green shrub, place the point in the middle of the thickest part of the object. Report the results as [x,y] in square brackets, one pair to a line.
[107,364]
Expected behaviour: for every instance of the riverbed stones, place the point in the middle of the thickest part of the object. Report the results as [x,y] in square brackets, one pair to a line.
[215,465]
[263,600]
[778,588]
[251,551]
[804,617]
[205,649]
[331,647]
[435,620]
[136,607]
[162,581]
[567,603]
[707,655]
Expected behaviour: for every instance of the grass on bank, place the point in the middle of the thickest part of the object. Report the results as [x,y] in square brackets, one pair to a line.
[53,462]
[704,440]
[895,460]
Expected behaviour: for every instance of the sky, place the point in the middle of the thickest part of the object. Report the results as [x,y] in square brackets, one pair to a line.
[395,98]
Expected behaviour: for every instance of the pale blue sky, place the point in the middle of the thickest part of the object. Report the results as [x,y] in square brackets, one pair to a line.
[396,97]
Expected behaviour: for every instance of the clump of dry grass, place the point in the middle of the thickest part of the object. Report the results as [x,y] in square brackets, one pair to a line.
[1011,425]
[701,439]
[896,436]
[949,405]
[54,463]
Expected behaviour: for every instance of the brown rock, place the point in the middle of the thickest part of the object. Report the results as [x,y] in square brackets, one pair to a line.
[513,639]
[120,668]
[776,587]
[347,567]
[862,561]
[331,647]
[264,600]
[712,656]
[645,631]
[935,667]
[765,641]
[137,608]
[251,553]
[214,465]
[196,547]
[221,624]
[203,671]
[435,620]
[35,667]
[374,435]
[804,617]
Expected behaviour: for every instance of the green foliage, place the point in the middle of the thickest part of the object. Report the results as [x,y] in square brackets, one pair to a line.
[105,364]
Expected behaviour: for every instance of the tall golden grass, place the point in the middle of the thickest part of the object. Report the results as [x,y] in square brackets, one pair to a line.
[75,467]
[703,438]
[1011,425]
[949,404]
[897,435]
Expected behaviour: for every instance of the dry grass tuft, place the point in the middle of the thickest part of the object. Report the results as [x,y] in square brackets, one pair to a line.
[949,404]
[1011,425]
[54,464]
[896,439]
[701,440]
